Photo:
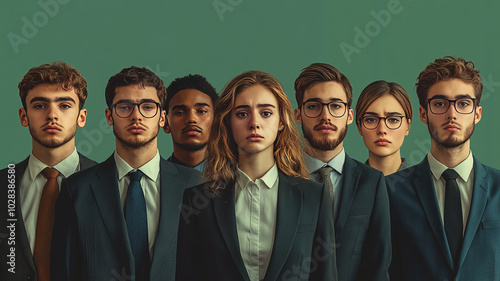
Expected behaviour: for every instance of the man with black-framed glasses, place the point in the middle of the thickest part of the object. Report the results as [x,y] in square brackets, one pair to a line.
[119,220]
[358,192]
[445,211]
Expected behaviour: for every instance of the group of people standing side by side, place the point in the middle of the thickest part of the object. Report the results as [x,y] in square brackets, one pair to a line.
[250,203]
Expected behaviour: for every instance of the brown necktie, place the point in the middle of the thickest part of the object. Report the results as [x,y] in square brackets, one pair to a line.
[45,223]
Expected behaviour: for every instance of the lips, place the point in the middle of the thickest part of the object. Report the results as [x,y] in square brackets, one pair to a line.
[192,130]
[51,129]
[451,127]
[323,128]
[136,129]
[255,137]
[382,142]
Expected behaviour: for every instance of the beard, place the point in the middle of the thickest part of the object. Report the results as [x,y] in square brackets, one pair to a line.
[135,143]
[192,146]
[451,141]
[324,143]
[51,142]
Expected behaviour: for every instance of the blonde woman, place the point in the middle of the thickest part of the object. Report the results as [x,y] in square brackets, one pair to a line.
[257,217]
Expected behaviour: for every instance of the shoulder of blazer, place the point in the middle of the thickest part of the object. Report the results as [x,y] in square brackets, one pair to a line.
[351,165]
[19,172]
[299,182]
[401,177]
[104,169]
[85,162]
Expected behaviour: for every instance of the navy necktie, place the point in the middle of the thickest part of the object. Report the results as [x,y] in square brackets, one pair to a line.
[137,225]
[453,221]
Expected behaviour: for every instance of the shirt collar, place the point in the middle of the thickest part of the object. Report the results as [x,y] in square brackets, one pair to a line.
[269,178]
[66,167]
[337,162]
[151,168]
[463,169]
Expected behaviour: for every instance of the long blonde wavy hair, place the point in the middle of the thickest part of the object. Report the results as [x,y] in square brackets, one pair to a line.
[222,151]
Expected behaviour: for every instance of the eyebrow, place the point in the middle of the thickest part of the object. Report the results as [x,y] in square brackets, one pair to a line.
[58,99]
[319,100]
[445,97]
[140,101]
[388,113]
[183,106]
[260,105]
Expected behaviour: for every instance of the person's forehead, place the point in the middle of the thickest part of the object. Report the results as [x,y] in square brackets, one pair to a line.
[51,92]
[135,93]
[326,91]
[451,89]
[190,97]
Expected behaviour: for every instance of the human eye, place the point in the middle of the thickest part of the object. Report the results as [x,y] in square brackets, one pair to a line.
[148,106]
[371,120]
[394,120]
[336,105]
[464,102]
[241,114]
[439,103]
[65,106]
[312,105]
[179,112]
[267,113]
[39,106]
[123,106]
[202,110]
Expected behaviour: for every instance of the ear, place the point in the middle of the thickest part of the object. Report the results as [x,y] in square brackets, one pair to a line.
[82,118]
[408,129]
[161,122]
[166,128]
[350,116]
[297,116]
[23,117]
[281,126]
[109,116]
[477,114]
[423,114]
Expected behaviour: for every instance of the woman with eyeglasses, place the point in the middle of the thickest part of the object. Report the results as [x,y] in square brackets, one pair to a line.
[257,217]
[383,117]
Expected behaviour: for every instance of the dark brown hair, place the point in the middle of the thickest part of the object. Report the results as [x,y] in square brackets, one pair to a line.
[445,69]
[317,73]
[135,75]
[57,73]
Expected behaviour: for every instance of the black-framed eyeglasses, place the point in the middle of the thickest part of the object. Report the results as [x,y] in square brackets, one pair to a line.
[313,109]
[124,109]
[462,105]
[391,122]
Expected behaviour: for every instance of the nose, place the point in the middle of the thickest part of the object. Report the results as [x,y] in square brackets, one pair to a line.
[136,114]
[254,122]
[191,117]
[325,113]
[382,126]
[53,112]
[452,112]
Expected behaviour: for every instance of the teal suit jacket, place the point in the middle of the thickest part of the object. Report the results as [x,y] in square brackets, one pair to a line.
[25,268]
[90,240]
[420,247]
[208,247]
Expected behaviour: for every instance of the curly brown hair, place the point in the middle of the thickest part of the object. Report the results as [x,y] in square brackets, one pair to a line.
[57,73]
[445,69]
[222,150]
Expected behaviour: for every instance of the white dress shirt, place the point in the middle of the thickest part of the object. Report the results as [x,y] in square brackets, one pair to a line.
[32,185]
[255,208]
[337,163]
[465,182]
[150,184]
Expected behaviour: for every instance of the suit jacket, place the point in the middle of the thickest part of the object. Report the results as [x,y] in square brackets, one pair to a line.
[208,247]
[24,265]
[362,227]
[420,247]
[90,239]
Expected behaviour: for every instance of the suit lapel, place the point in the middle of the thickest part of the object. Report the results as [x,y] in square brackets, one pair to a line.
[21,234]
[477,207]
[349,188]
[226,218]
[85,162]
[171,190]
[107,196]
[424,187]
[287,222]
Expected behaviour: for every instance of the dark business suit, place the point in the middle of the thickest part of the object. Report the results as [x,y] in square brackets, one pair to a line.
[362,226]
[208,247]
[25,265]
[90,240]
[420,246]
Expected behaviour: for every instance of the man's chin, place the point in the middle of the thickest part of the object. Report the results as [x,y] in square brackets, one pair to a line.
[192,146]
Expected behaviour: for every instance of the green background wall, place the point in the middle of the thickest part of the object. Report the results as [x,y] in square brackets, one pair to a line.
[387,39]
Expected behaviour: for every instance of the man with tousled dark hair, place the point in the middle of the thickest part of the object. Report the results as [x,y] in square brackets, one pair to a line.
[52,96]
